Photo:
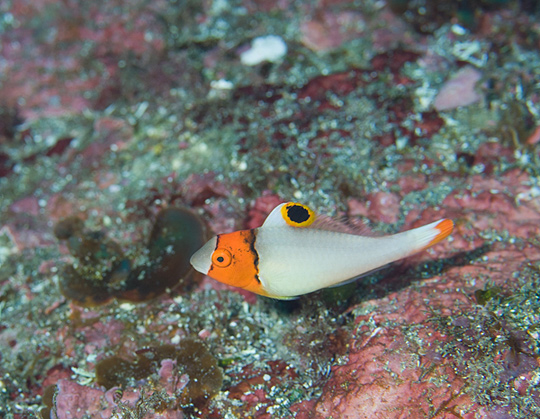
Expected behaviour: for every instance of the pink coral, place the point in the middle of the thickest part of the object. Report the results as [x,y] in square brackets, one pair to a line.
[75,401]
[261,208]
[329,30]
[170,378]
[384,206]
[459,90]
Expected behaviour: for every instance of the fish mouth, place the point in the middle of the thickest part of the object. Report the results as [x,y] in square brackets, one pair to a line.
[202,258]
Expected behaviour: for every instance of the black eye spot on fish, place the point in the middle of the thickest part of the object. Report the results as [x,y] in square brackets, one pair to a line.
[297,215]
[103,271]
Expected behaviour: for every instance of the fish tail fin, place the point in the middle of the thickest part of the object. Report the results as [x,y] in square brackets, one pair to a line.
[428,235]
[445,228]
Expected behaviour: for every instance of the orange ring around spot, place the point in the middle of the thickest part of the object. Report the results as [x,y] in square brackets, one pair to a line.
[221,258]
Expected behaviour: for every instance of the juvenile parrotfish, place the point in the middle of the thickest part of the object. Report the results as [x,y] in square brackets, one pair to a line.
[295,252]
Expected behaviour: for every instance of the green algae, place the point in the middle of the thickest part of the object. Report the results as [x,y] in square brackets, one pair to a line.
[191,356]
[488,293]
[102,272]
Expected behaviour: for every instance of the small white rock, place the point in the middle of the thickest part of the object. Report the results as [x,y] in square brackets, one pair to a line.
[264,48]
[221,84]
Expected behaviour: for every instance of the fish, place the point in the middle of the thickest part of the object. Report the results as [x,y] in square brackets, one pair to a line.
[296,252]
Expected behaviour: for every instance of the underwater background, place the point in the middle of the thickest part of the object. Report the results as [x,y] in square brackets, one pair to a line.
[133,130]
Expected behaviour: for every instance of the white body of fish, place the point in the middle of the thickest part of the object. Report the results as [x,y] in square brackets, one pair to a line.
[296,261]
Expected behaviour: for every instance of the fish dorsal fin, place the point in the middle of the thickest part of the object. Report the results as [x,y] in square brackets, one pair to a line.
[341,225]
[290,214]
[293,214]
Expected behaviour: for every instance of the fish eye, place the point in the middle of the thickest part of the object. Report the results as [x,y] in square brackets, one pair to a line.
[221,258]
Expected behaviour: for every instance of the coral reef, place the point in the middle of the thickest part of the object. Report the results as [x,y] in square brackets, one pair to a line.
[116,114]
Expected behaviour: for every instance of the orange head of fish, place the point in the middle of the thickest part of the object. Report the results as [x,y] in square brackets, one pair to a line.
[232,259]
